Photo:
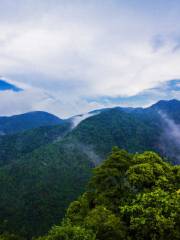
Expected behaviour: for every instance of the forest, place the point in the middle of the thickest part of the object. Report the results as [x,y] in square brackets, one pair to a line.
[129,196]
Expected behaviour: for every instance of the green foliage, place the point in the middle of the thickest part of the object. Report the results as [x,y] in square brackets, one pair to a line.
[13,147]
[7,236]
[109,179]
[36,192]
[104,224]
[153,215]
[149,170]
[68,232]
[116,127]
[129,197]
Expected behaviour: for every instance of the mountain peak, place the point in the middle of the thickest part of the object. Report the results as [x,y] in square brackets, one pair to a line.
[26,121]
[166,103]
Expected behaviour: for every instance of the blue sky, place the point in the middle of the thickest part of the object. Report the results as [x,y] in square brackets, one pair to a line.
[4,86]
[166,90]
[74,56]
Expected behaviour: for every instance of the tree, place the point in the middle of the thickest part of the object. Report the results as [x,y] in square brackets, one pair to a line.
[68,232]
[153,215]
[105,224]
[129,197]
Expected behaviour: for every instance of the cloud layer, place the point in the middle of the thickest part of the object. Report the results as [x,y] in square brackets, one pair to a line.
[66,52]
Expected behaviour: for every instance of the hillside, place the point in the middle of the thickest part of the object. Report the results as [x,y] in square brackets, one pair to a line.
[15,146]
[44,169]
[36,190]
[153,128]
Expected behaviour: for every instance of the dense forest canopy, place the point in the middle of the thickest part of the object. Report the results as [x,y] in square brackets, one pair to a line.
[130,196]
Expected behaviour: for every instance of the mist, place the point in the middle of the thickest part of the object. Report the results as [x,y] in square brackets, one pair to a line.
[79,118]
[170,138]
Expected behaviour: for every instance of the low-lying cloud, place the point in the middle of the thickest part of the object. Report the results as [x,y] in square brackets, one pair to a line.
[79,118]
[170,139]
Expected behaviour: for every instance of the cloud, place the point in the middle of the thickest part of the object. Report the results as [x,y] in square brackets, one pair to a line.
[32,99]
[170,139]
[79,118]
[165,90]
[76,50]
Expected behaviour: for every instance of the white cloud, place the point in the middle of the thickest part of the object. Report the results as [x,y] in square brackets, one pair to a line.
[77,50]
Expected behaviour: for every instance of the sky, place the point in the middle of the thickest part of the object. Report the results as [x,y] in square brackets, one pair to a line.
[72,56]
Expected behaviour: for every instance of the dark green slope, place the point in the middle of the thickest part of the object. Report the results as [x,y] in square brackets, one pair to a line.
[116,127]
[136,130]
[15,146]
[36,190]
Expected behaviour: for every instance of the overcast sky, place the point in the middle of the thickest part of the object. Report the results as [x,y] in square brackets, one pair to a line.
[72,56]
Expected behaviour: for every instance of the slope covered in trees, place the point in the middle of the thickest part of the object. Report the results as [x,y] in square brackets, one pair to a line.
[36,190]
[129,197]
[15,146]
[40,168]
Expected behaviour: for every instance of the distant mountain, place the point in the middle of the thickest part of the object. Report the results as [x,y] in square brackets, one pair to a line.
[44,169]
[166,105]
[171,108]
[26,121]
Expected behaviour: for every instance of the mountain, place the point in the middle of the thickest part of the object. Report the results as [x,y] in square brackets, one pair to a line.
[26,121]
[166,105]
[115,127]
[44,169]
[171,108]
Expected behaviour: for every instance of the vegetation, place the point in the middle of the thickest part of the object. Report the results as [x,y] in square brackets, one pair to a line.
[42,170]
[26,142]
[116,127]
[129,197]
[35,191]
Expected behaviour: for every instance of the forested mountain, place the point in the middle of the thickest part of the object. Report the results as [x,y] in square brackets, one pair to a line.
[171,108]
[154,128]
[26,121]
[44,169]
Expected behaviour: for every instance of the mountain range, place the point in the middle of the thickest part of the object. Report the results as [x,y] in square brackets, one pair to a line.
[46,162]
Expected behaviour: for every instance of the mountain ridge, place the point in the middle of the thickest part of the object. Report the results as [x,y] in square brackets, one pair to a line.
[26,121]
